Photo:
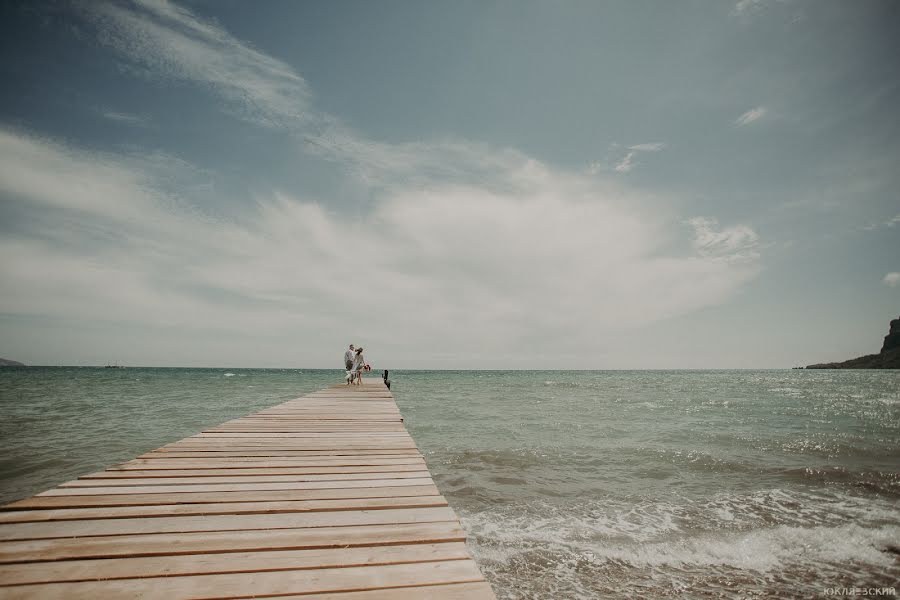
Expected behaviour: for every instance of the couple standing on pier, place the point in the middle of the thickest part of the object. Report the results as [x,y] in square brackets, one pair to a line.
[355,364]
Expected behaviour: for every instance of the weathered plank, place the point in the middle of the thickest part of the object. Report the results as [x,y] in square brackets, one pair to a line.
[188,497]
[234,487]
[480,590]
[201,479]
[190,524]
[229,562]
[256,583]
[250,462]
[220,508]
[177,544]
[206,471]
[333,453]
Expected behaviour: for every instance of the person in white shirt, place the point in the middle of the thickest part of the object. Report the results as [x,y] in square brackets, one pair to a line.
[349,358]
[359,362]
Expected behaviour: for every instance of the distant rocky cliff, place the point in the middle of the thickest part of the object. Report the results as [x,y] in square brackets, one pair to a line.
[892,339]
[10,363]
[888,358]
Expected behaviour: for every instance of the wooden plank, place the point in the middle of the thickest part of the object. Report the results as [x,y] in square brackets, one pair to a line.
[331,409]
[207,471]
[230,562]
[348,443]
[263,421]
[452,591]
[335,404]
[276,438]
[358,414]
[258,583]
[235,487]
[333,453]
[302,435]
[248,447]
[188,497]
[193,480]
[177,544]
[349,418]
[220,508]
[373,416]
[190,524]
[250,462]
[289,431]
[302,426]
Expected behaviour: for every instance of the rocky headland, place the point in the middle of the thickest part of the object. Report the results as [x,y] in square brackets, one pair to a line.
[10,363]
[888,358]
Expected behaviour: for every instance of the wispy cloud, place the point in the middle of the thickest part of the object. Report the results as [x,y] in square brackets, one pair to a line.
[733,244]
[171,41]
[126,118]
[890,224]
[745,8]
[651,147]
[892,279]
[628,162]
[751,116]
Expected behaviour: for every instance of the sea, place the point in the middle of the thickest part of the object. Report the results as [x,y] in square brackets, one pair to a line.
[570,484]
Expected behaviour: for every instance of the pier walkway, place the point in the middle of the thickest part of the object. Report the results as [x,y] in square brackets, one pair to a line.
[325,497]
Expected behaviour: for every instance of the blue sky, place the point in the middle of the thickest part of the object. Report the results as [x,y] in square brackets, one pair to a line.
[451,185]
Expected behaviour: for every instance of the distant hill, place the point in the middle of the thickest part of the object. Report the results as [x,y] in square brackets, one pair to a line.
[888,358]
[10,363]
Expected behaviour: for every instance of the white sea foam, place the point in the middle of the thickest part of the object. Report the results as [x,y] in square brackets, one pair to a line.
[229,375]
[766,550]
[580,558]
[762,531]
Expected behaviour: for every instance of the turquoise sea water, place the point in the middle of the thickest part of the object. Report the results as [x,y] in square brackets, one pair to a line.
[577,484]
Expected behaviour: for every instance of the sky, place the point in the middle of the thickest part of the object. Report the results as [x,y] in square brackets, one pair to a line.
[456,185]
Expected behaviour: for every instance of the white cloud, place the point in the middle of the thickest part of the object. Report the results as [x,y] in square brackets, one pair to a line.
[892,279]
[890,224]
[751,116]
[627,163]
[650,147]
[749,10]
[547,254]
[747,7]
[173,42]
[170,41]
[475,246]
[734,244]
[126,118]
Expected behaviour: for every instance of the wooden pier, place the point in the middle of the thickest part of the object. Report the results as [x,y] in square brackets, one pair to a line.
[325,497]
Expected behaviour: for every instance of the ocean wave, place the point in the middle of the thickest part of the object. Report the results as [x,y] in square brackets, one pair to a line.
[639,520]
[728,547]
[882,482]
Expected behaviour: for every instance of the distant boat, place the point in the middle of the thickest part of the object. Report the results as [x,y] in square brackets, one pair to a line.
[115,366]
